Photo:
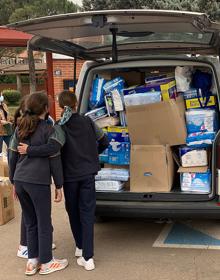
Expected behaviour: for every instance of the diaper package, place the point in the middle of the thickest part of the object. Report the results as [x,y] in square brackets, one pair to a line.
[97,113]
[200,139]
[115,84]
[142,98]
[97,94]
[109,186]
[201,120]
[195,99]
[196,182]
[113,174]
[118,134]
[119,153]
[193,157]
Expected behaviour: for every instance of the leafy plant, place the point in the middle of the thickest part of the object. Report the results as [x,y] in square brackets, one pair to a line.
[12,96]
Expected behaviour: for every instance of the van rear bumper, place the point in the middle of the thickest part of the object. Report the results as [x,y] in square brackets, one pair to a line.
[208,209]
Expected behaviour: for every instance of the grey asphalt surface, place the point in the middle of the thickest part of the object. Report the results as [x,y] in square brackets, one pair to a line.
[123,251]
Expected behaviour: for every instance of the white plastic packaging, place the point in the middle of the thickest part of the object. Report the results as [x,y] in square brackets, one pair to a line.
[113,186]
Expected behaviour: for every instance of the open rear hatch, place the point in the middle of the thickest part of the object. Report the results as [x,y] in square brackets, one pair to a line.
[114,34]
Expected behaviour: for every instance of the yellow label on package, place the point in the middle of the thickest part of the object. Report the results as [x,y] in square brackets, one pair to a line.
[117,129]
[194,103]
[168,90]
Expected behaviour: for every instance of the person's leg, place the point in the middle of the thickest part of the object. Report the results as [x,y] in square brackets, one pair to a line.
[30,219]
[71,193]
[41,197]
[87,205]
[23,234]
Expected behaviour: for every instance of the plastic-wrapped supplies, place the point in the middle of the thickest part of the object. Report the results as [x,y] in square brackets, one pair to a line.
[97,94]
[183,76]
[202,80]
[97,113]
[119,153]
[113,174]
[117,83]
[193,157]
[118,134]
[196,182]
[107,121]
[103,157]
[200,139]
[201,120]
[142,98]
[109,186]
[195,99]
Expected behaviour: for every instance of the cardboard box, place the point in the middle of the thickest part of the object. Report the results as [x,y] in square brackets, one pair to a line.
[160,123]
[131,78]
[6,201]
[151,168]
[4,169]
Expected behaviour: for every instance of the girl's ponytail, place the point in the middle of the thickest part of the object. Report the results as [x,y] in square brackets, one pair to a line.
[27,125]
[36,104]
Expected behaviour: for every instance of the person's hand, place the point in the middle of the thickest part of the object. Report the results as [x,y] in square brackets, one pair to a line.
[58,195]
[15,196]
[22,148]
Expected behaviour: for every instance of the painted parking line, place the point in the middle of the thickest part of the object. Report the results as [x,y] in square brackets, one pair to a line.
[183,235]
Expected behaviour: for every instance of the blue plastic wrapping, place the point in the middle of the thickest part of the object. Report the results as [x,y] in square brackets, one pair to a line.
[117,83]
[196,182]
[202,80]
[201,120]
[200,139]
[119,153]
[103,157]
[97,94]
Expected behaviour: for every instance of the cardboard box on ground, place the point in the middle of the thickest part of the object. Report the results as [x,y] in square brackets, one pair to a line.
[153,128]
[6,201]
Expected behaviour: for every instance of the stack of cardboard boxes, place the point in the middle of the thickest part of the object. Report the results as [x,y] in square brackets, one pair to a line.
[6,194]
[154,129]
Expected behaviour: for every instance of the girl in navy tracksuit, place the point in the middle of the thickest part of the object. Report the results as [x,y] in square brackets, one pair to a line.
[32,179]
[84,141]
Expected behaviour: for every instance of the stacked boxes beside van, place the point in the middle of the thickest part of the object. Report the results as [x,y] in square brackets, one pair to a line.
[147,122]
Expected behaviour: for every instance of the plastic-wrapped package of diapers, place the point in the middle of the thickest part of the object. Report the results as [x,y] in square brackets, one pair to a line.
[183,76]
[97,94]
[113,174]
[142,98]
[200,139]
[103,157]
[201,120]
[119,153]
[194,99]
[97,113]
[193,157]
[115,87]
[107,121]
[196,182]
[109,186]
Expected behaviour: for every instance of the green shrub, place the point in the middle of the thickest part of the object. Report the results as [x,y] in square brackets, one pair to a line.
[12,96]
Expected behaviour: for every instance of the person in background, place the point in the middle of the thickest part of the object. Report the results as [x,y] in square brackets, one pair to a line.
[5,124]
[32,178]
[84,141]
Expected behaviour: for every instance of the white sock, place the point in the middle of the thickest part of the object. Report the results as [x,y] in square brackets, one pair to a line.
[47,264]
[33,261]
[22,248]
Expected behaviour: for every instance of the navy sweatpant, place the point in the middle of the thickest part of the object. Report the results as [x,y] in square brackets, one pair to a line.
[35,201]
[80,200]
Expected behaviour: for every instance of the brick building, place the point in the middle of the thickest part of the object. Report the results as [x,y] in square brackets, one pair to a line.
[63,75]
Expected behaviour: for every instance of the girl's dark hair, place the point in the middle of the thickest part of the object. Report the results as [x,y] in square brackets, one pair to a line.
[67,98]
[20,111]
[35,105]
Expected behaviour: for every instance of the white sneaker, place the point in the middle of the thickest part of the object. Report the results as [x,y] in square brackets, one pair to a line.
[22,252]
[32,268]
[53,266]
[88,265]
[78,252]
